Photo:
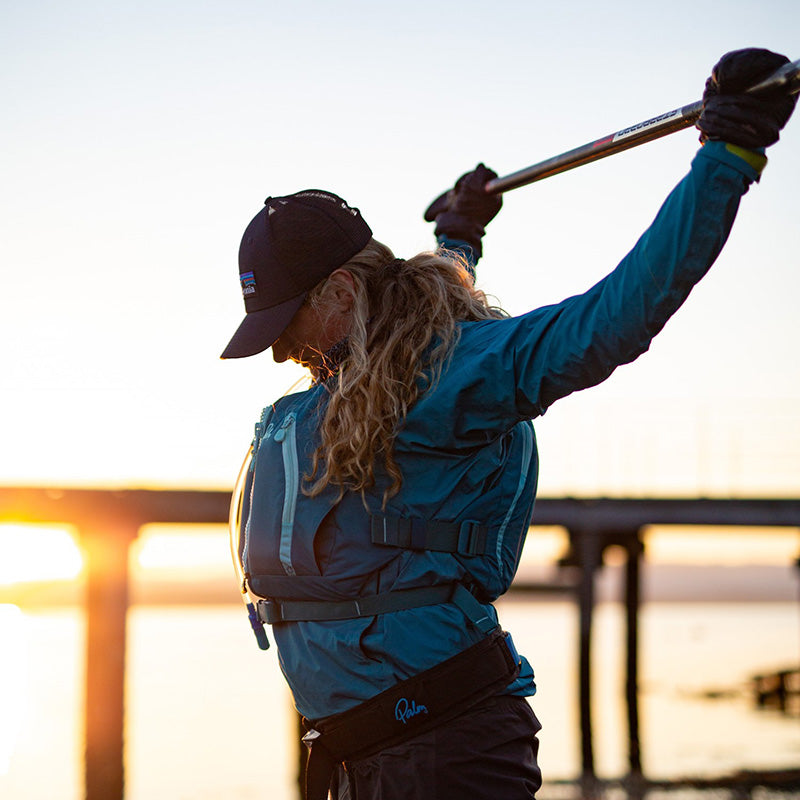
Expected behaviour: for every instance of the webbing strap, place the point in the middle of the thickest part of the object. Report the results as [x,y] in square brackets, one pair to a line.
[272,611]
[413,533]
[472,609]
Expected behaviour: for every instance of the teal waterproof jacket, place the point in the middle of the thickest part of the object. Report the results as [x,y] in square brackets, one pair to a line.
[469,462]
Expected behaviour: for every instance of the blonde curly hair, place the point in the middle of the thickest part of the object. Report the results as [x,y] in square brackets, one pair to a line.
[404,326]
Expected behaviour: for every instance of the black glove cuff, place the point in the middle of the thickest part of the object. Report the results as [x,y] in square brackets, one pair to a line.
[456,226]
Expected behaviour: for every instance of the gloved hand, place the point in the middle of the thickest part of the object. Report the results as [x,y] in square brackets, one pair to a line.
[731,115]
[464,211]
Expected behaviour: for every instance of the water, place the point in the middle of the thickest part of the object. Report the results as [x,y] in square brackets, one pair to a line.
[209,716]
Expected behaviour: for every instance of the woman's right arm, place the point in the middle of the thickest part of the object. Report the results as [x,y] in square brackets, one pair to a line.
[512,369]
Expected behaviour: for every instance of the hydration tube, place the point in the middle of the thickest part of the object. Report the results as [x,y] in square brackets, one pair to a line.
[234,530]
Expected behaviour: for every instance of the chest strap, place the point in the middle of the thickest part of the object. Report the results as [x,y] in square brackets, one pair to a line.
[276,611]
[413,533]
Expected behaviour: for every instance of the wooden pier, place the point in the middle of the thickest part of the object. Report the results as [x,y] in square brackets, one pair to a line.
[779,690]
[108,521]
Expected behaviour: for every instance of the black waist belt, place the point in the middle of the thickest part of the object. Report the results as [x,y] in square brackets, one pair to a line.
[277,611]
[409,708]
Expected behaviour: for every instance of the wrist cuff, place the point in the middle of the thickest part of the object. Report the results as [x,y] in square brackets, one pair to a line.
[468,251]
[749,162]
[757,160]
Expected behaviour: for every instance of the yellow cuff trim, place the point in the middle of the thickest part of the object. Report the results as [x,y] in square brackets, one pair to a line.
[756,160]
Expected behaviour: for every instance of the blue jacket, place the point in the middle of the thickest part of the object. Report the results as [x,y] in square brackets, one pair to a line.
[467,453]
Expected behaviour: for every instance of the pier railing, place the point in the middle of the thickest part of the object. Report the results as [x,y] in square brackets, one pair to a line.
[108,521]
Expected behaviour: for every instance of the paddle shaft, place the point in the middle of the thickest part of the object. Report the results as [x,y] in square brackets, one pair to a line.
[787,78]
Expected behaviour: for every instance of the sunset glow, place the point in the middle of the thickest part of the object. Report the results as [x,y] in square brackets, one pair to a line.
[171,547]
[139,139]
[37,553]
[13,684]
[729,546]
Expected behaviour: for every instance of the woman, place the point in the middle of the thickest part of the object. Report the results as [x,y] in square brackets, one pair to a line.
[385,507]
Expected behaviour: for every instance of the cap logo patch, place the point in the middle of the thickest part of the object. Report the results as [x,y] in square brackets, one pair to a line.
[248,281]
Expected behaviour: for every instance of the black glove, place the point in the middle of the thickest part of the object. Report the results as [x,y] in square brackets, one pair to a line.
[731,115]
[464,211]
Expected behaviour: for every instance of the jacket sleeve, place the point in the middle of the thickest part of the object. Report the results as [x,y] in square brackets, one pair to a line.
[513,369]
[579,342]
[464,249]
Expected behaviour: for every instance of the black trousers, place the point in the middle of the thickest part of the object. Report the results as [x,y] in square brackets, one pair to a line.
[487,753]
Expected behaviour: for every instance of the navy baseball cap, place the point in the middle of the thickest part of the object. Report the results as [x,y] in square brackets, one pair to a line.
[287,249]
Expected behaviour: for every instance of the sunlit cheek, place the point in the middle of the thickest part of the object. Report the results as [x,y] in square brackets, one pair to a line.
[13,681]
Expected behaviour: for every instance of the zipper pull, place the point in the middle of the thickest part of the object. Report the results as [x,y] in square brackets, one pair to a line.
[280,434]
[261,428]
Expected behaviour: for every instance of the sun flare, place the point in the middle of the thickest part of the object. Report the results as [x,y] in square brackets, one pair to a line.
[37,553]
[176,547]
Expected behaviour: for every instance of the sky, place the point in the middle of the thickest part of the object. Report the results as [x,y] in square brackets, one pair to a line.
[140,138]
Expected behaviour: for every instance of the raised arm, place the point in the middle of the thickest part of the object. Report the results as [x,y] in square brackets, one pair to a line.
[516,368]
[587,337]
[579,342]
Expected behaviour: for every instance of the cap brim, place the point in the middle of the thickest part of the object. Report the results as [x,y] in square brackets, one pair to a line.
[260,329]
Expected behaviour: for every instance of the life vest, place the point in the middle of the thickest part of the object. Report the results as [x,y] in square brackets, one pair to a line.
[304,558]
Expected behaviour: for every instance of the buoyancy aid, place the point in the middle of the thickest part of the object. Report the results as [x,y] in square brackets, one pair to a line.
[452,538]
[328,549]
